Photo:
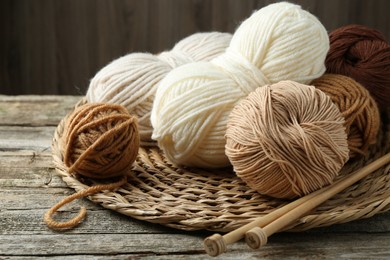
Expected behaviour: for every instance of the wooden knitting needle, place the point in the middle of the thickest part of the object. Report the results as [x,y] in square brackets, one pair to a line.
[216,244]
[257,236]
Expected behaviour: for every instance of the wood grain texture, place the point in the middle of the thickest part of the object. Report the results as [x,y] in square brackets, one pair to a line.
[166,246]
[29,186]
[35,110]
[56,47]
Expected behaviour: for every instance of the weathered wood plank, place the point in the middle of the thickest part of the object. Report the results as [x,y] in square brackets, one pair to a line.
[26,159]
[28,169]
[30,183]
[34,204]
[35,110]
[39,198]
[280,246]
[26,138]
[29,186]
[96,244]
[98,221]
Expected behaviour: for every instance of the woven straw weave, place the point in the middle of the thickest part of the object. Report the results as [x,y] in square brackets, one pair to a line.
[191,199]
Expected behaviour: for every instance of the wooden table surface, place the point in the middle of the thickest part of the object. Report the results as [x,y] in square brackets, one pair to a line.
[29,186]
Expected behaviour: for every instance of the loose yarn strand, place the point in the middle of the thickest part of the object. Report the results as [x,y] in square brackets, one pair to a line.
[51,223]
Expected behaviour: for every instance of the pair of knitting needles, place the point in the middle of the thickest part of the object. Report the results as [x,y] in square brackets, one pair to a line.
[257,232]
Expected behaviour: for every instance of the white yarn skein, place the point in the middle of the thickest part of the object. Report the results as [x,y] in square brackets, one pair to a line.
[132,80]
[190,111]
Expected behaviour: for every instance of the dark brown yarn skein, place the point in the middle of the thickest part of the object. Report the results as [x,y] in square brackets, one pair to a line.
[359,109]
[99,141]
[363,54]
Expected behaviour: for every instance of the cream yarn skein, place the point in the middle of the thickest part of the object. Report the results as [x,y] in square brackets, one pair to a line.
[131,81]
[278,42]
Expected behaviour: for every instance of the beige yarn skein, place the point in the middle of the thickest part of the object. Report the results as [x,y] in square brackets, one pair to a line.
[287,139]
[278,42]
[131,81]
[358,107]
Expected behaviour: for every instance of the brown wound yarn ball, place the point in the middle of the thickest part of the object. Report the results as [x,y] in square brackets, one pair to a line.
[363,54]
[286,140]
[360,111]
[100,140]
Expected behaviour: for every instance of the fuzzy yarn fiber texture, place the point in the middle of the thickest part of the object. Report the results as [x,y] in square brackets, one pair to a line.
[359,109]
[132,80]
[286,140]
[100,141]
[363,54]
[190,111]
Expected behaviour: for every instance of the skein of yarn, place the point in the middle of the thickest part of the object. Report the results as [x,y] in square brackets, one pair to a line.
[278,42]
[363,54]
[286,140]
[360,111]
[131,81]
[100,141]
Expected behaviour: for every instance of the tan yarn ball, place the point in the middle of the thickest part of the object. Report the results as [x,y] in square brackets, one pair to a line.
[286,140]
[100,141]
[357,106]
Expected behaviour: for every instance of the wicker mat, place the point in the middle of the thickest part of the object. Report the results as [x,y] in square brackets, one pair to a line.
[191,199]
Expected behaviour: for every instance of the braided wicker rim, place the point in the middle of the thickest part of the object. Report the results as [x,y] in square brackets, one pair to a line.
[157,191]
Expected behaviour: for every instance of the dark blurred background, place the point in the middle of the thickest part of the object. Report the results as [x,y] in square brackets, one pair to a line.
[56,47]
